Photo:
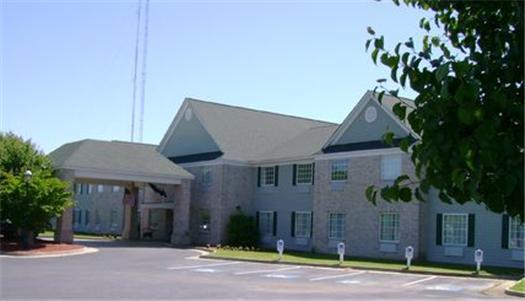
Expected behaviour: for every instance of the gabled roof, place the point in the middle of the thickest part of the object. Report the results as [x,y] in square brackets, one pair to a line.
[302,146]
[244,134]
[116,157]
[387,104]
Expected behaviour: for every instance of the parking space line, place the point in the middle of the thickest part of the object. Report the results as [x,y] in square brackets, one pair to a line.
[418,281]
[337,276]
[266,271]
[203,265]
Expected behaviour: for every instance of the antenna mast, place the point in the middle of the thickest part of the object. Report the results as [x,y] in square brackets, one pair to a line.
[144,55]
[139,9]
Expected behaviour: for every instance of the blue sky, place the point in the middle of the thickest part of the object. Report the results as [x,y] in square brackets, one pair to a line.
[67,66]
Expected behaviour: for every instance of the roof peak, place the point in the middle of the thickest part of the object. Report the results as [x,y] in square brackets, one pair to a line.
[259,111]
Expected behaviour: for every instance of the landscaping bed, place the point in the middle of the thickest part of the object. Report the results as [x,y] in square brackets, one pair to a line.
[329,260]
[82,235]
[40,247]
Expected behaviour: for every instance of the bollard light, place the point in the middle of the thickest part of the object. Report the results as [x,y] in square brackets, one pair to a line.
[478,258]
[280,248]
[341,252]
[28,175]
[409,254]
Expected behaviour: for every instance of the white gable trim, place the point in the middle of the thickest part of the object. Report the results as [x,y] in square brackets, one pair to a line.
[360,153]
[356,111]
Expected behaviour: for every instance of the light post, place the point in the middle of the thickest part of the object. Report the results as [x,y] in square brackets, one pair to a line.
[341,252]
[409,254]
[280,248]
[27,235]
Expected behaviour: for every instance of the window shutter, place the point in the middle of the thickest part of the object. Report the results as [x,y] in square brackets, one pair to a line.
[311,223]
[79,217]
[471,230]
[313,173]
[504,231]
[276,171]
[257,219]
[275,223]
[293,224]
[294,180]
[439,229]
[258,180]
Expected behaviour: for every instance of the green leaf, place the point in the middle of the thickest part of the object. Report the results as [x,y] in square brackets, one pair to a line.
[367,44]
[441,72]
[393,74]
[403,78]
[404,58]
[465,115]
[379,42]
[374,55]
[404,144]
[396,50]
[400,110]
[370,30]
[405,194]
[381,80]
[388,137]
[401,179]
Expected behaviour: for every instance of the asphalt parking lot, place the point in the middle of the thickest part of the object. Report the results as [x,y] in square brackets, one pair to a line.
[155,271]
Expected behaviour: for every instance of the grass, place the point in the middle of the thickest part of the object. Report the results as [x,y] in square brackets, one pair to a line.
[366,263]
[81,235]
[519,286]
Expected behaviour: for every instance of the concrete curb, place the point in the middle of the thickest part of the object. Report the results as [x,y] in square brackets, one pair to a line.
[84,250]
[511,292]
[366,269]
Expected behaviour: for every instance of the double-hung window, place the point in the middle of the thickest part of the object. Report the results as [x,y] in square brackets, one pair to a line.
[455,229]
[516,228]
[302,224]
[116,188]
[339,170]
[268,176]
[304,173]
[390,167]
[336,226]
[100,188]
[389,227]
[266,223]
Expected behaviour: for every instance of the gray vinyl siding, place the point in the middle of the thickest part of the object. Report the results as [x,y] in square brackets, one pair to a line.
[284,199]
[488,232]
[360,130]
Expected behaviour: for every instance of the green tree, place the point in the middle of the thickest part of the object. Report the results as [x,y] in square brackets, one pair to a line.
[29,202]
[468,114]
[242,230]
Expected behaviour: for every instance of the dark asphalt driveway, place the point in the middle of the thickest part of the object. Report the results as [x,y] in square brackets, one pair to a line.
[155,271]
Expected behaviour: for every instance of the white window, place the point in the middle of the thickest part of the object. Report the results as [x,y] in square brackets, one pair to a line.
[268,176]
[78,188]
[455,229]
[266,222]
[303,224]
[337,226]
[89,189]
[389,227]
[116,188]
[390,167]
[113,217]
[100,188]
[339,170]
[516,233]
[206,178]
[304,173]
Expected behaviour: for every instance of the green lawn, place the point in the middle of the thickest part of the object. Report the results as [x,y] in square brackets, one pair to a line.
[519,286]
[48,234]
[332,260]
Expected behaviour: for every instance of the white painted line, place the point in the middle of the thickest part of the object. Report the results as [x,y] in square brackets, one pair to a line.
[205,270]
[337,276]
[281,276]
[203,266]
[418,281]
[266,271]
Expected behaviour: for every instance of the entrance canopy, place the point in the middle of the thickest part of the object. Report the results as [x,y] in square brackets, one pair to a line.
[107,161]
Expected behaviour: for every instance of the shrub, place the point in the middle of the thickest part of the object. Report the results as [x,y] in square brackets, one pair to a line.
[242,230]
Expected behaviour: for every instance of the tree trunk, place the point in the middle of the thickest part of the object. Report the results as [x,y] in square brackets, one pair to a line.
[27,238]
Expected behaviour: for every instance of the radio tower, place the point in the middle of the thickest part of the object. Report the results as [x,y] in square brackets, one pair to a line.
[143,70]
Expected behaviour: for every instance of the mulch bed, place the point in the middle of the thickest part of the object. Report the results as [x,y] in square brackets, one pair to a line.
[40,247]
